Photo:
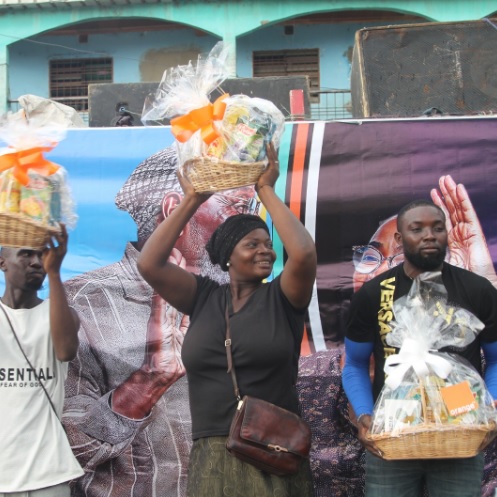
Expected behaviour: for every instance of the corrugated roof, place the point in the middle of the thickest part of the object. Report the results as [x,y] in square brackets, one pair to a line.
[60,4]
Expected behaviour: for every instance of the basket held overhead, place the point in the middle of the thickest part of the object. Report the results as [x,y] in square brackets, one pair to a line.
[34,196]
[18,231]
[209,175]
[222,144]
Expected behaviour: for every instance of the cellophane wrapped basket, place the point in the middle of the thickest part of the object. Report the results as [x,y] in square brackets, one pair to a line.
[221,145]
[34,194]
[434,404]
[208,174]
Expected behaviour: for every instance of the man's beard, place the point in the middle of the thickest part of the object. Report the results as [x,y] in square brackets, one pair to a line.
[426,263]
[34,285]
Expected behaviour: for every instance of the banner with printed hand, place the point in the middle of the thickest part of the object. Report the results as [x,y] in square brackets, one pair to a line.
[344,180]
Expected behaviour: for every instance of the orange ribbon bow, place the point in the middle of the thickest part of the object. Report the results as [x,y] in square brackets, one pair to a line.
[183,127]
[24,160]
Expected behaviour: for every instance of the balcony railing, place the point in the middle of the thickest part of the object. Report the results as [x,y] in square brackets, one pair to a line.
[333,104]
[14,106]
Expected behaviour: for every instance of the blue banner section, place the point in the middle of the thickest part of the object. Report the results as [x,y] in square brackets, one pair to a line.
[98,162]
[346,181]
[343,179]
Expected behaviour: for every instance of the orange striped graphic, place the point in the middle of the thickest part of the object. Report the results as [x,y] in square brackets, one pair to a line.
[305,346]
[297,176]
[296,192]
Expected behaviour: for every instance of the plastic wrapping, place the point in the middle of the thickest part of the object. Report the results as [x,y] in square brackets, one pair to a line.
[30,185]
[187,87]
[248,125]
[232,130]
[423,386]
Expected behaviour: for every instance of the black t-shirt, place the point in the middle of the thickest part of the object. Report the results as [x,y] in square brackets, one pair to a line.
[371,312]
[266,334]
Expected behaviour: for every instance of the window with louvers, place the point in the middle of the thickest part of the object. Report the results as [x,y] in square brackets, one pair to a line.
[69,79]
[304,62]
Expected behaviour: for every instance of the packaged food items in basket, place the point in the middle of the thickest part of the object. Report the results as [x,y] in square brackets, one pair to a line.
[248,125]
[34,192]
[457,400]
[41,198]
[10,192]
[44,199]
[35,198]
[215,140]
[426,387]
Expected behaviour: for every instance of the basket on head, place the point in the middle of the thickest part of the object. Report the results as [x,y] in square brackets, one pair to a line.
[17,230]
[209,174]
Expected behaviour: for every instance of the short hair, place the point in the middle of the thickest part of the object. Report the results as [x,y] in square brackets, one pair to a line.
[142,193]
[412,205]
[7,250]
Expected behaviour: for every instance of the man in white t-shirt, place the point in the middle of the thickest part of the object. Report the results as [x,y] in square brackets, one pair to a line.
[37,338]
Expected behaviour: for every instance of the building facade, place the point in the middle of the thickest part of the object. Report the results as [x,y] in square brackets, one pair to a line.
[56,48]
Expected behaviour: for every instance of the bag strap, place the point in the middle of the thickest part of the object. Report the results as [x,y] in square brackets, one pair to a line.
[227,344]
[29,362]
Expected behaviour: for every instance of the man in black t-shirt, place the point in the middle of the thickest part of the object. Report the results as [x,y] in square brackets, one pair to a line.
[421,230]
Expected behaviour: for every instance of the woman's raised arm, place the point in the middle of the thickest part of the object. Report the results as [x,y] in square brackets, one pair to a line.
[299,273]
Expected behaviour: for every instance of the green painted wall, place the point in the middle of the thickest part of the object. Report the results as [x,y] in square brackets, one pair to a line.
[226,19]
[235,18]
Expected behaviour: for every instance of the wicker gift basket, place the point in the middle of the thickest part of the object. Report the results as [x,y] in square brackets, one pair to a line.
[34,194]
[235,153]
[433,404]
[222,144]
[431,440]
[208,174]
[17,230]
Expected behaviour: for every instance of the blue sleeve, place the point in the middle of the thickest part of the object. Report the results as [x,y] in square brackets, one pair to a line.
[355,376]
[490,353]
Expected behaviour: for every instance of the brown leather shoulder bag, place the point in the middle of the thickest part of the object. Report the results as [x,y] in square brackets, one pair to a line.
[270,438]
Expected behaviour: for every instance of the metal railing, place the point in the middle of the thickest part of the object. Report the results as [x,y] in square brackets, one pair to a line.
[333,104]
[14,106]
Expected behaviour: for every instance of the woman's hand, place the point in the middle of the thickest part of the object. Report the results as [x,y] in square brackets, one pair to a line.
[271,173]
[189,190]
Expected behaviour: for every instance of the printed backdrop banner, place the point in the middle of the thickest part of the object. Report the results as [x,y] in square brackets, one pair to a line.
[346,181]
[369,170]
[342,179]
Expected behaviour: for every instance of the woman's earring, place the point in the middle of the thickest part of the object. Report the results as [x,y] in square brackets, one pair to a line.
[228,264]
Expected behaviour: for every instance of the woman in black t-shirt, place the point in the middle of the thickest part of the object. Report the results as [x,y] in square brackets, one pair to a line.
[266,319]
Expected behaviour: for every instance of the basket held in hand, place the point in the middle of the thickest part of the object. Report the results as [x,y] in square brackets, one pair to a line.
[209,175]
[432,441]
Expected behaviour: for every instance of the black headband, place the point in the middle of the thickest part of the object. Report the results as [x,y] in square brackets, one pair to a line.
[228,234]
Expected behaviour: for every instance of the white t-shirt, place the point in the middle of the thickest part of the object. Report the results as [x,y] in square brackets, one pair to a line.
[34,450]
